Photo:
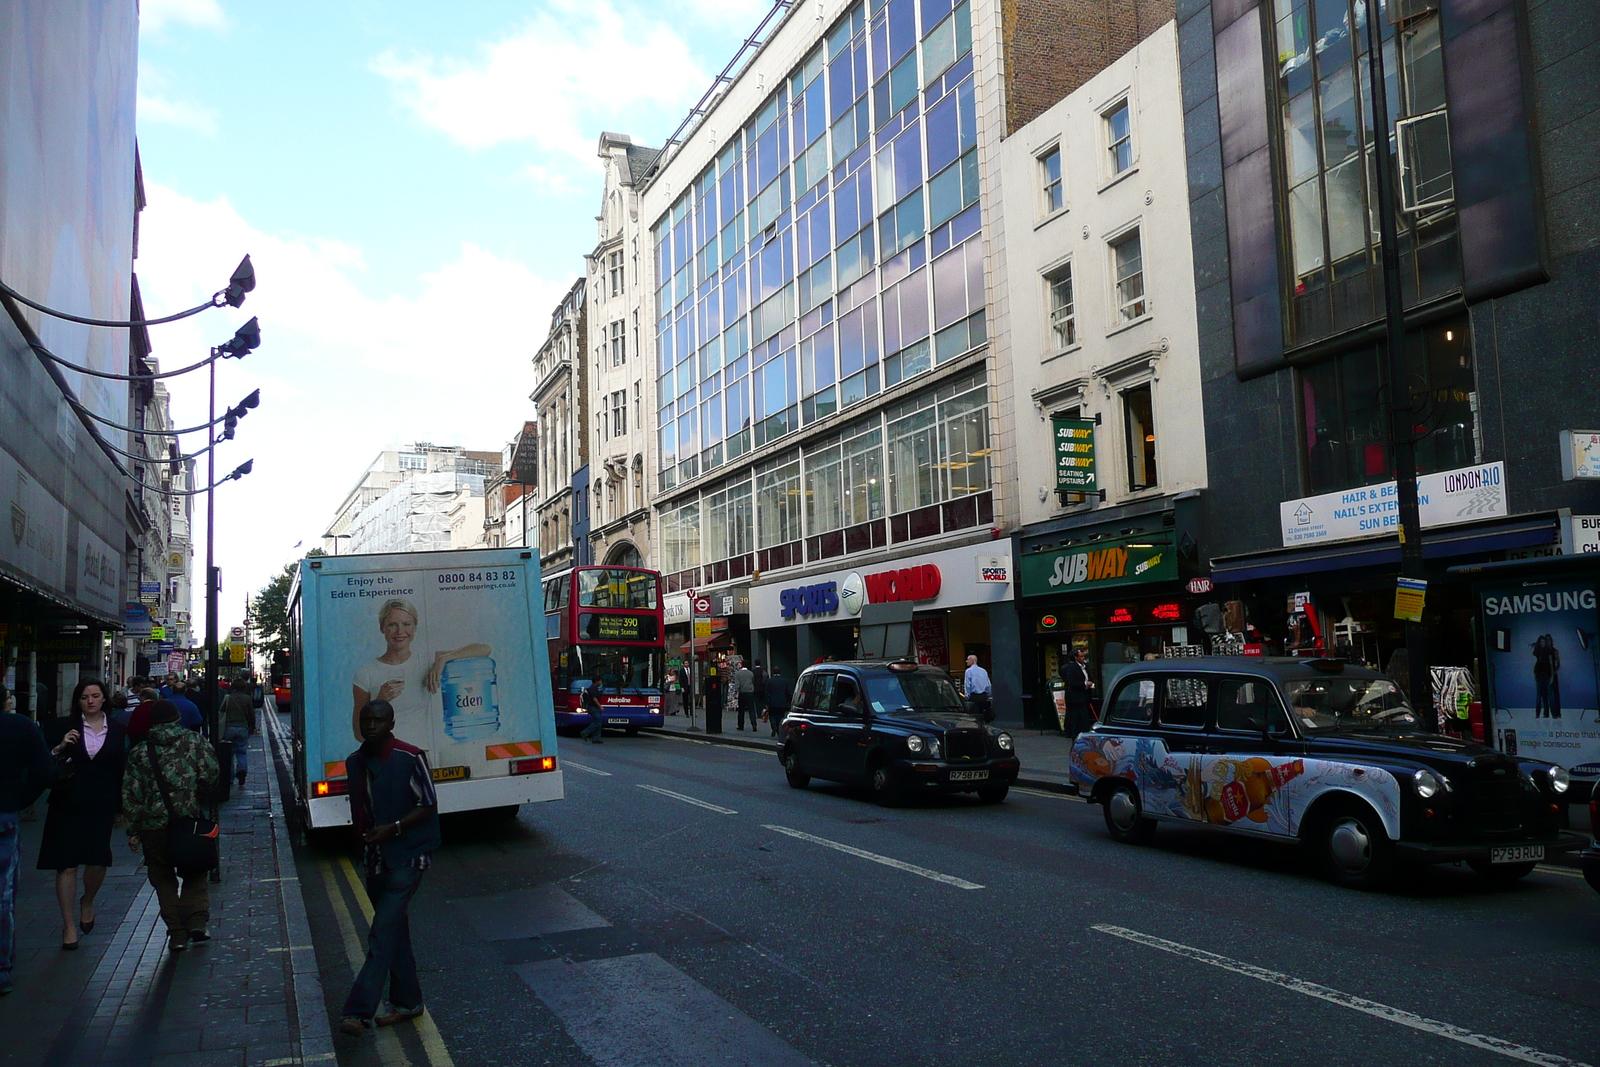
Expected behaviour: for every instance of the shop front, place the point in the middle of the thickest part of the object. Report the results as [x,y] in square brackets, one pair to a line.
[1118,599]
[937,608]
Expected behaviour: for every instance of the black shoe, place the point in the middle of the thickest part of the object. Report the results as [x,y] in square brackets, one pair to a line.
[197,937]
[352,1026]
[175,943]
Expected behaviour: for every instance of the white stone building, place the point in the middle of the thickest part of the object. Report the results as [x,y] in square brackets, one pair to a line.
[561,400]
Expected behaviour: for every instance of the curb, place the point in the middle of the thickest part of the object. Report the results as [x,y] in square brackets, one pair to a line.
[1043,784]
[315,1033]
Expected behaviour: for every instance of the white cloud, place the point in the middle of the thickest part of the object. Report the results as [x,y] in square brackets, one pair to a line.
[206,14]
[556,82]
[343,372]
[156,104]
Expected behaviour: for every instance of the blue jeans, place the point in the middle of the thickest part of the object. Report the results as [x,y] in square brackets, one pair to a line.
[596,725]
[389,955]
[10,865]
[241,748]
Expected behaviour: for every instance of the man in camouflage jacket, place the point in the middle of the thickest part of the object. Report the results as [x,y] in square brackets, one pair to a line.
[189,766]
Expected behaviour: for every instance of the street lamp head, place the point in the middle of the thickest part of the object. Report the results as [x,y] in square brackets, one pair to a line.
[246,338]
[242,281]
[242,469]
[251,401]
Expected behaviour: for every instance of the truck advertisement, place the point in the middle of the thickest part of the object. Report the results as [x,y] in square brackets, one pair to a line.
[447,638]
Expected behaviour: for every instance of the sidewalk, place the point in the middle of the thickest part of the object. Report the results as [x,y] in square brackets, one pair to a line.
[122,999]
[1044,755]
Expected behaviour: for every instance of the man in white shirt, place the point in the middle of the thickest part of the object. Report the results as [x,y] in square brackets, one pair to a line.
[978,689]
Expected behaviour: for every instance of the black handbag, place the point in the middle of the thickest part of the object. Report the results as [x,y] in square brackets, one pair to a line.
[191,843]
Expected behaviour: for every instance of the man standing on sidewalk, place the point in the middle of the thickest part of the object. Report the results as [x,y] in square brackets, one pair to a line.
[979,690]
[25,770]
[395,811]
[778,693]
[744,681]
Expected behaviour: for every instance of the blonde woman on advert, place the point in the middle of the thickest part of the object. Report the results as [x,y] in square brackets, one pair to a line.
[404,676]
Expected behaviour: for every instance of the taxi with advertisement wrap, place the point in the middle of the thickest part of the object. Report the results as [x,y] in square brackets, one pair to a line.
[898,728]
[1316,752]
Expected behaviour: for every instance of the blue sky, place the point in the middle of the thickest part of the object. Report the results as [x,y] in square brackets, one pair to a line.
[416,183]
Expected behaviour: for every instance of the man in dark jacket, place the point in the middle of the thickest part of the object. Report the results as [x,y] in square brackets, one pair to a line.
[25,770]
[778,693]
[394,809]
[1080,685]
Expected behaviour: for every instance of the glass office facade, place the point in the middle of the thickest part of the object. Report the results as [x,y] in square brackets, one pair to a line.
[832,250]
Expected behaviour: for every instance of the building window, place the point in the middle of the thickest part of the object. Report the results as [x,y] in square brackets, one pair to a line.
[1119,138]
[619,343]
[1063,316]
[939,445]
[615,269]
[1128,268]
[778,504]
[680,537]
[1050,175]
[1139,423]
[1327,162]
[730,523]
[413,461]
[619,413]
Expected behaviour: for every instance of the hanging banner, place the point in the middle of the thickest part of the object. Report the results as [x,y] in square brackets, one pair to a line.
[1443,499]
[1542,687]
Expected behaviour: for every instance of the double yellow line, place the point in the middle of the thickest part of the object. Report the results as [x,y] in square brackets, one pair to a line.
[390,1050]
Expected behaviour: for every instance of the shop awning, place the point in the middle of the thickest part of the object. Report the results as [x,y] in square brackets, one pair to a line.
[720,639]
[1467,539]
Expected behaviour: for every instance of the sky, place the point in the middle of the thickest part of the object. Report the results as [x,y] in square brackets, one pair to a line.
[416,184]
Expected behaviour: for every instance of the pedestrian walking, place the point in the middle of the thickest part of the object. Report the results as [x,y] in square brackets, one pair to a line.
[85,804]
[759,695]
[1080,686]
[189,715]
[591,703]
[779,691]
[394,809]
[672,693]
[979,690]
[170,777]
[25,770]
[744,681]
[238,724]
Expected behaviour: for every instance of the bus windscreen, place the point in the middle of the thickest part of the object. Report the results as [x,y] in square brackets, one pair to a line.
[610,587]
[619,668]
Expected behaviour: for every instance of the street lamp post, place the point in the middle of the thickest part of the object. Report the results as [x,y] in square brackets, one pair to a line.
[1402,443]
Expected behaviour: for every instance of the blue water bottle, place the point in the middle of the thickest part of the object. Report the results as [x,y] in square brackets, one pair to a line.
[471,707]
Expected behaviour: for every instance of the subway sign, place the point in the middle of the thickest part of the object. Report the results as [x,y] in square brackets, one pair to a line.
[808,600]
[1099,566]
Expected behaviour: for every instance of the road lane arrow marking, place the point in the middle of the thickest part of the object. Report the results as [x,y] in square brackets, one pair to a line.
[887,861]
[1344,1000]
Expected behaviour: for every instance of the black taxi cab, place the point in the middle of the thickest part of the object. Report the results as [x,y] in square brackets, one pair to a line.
[898,728]
[1317,752]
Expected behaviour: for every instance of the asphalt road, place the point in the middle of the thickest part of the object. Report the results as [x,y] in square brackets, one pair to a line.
[684,906]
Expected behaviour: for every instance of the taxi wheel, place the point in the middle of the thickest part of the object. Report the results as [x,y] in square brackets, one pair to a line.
[1501,873]
[885,790]
[1355,851]
[1125,817]
[797,778]
[993,794]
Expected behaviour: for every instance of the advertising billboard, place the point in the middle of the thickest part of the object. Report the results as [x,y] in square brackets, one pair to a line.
[447,641]
[1542,666]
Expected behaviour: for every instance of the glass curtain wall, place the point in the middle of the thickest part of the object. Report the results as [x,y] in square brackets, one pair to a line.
[832,249]
[1326,148]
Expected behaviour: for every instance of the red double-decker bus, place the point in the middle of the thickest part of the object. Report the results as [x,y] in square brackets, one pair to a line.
[604,624]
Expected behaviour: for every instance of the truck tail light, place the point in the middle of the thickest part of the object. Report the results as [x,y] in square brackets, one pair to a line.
[534,765]
[334,788]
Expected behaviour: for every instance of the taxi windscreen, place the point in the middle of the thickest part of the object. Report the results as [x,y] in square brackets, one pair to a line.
[912,693]
[1337,703]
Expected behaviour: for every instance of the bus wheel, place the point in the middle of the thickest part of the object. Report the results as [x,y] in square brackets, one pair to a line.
[632,731]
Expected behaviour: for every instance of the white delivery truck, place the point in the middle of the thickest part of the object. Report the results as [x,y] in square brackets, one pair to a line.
[455,642]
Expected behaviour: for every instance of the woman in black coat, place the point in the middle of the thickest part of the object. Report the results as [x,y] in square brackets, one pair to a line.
[89,747]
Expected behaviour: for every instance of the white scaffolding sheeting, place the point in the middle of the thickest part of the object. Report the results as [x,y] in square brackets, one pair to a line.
[414,516]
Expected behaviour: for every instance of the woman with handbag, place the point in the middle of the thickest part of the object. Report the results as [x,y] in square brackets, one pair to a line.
[89,749]
[169,779]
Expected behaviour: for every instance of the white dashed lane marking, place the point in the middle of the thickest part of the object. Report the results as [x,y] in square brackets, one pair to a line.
[887,861]
[1344,1000]
[687,800]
